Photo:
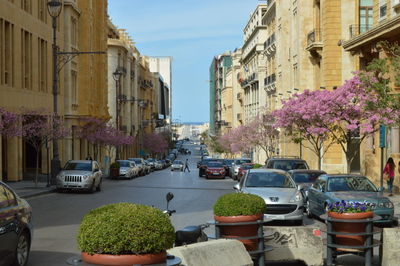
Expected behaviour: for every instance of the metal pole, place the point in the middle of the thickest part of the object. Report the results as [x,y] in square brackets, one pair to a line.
[55,161]
[117,113]
[382,162]
[329,238]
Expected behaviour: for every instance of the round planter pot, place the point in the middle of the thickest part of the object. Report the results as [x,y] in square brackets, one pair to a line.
[114,172]
[124,260]
[232,231]
[350,227]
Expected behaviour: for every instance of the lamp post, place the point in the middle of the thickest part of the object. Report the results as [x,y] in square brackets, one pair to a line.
[117,77]
[54,8]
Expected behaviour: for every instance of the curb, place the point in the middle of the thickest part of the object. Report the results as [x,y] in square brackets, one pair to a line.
[34,194]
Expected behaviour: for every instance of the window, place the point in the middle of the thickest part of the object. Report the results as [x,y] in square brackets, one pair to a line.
[382,11]
[42,65]
[6,53]
[26,59]
[365,15]
[74,38]
[74,87]
[42,10]
[27,5]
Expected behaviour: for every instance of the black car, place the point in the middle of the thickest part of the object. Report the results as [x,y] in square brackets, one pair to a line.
[15,228]
[227,164]
[286,163]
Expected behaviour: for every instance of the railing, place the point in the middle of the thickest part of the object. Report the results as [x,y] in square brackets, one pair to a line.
[270,79]
[313,36]
[269,41]
[356,29]
[239,96]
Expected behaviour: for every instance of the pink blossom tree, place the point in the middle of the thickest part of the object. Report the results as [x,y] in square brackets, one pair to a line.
[37,129]
[154,143]
[9,124]
[345,116]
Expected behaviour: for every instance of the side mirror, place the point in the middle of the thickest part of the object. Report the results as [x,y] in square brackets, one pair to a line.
[236,187]
[169,196]
[381,189]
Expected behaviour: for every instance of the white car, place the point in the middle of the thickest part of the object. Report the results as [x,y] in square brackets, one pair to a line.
[177,165]
[128,169]
[158,165]
[80,175]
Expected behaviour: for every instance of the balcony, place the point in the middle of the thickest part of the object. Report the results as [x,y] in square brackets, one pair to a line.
[269,45]
[366,36]
[269,83]
[249,80]
[314,42]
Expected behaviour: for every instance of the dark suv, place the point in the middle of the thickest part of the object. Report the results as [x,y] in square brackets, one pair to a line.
[286,163]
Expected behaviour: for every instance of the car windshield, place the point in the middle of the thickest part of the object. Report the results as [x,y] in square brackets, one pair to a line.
[228,162]
[150,160]
[78,166]
[306,177]
[139,161]
[289,165]
[242,161]
[124,164]
[350,183]
[269,179]
[215,165]
[177,162]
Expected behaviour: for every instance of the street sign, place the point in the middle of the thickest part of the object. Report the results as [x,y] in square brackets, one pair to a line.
[142,153]
[382,136]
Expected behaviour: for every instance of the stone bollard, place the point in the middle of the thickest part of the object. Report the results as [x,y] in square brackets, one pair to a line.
[221,252]
[297,243]
[391,247]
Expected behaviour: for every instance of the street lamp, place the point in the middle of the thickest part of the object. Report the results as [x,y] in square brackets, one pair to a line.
[54,8]
[117,77]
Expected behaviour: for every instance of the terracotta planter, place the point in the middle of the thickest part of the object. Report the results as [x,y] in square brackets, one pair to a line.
[124,260]
[114,172]
[240,230]
[350,227]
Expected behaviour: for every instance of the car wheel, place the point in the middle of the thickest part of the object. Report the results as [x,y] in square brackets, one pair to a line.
[59,190]
[308,210]
[99,185]
[93,187]
[22,251]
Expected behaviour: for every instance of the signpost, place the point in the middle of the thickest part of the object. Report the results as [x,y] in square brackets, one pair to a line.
[382,145]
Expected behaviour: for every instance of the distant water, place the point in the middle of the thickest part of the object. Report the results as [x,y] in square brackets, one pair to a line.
[193,123]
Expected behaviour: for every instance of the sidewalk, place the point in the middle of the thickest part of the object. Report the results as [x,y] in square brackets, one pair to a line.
[27,189]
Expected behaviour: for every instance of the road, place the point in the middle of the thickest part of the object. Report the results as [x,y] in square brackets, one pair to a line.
[57,216]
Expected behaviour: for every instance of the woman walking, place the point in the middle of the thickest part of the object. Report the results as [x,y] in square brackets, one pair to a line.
[388,174]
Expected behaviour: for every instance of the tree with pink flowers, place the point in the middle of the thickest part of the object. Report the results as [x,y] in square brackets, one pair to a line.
[38,128]
[9,124]
[344,116]
[154,144]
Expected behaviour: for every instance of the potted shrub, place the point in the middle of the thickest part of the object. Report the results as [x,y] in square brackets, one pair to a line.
[237,208]
[349,211]
[125,234]
[114,169]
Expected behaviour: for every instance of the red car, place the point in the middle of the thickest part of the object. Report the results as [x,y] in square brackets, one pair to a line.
[243,169]
[215,170]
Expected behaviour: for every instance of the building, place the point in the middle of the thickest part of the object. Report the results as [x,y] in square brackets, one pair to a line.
[371,21]
[218,70]
[26,40]
[123,100]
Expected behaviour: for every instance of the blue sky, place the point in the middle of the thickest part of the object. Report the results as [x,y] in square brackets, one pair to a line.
[192,32]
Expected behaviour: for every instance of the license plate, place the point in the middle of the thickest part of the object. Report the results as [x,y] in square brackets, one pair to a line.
[275,217]
[215,174]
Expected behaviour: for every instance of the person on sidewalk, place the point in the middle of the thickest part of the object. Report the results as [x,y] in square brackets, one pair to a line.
[388,174]
[186,166]
[89,157]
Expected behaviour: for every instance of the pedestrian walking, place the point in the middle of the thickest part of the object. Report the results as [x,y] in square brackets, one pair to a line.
[186,166]
[388,174]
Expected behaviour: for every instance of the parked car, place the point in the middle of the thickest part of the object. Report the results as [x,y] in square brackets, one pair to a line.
[127,169]
[177,165]
[141,164]
[80,175]
[15,228]
[349,187]
[159,165]
[203,166]
[151,162]
[215,170]
[243,169]
[305,179]
[234,169]
[147,167]
[283,199]
[227,164]
[286,163]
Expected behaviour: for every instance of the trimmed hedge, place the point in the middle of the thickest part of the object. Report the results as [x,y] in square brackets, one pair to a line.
[114,165]
[125,228]
[236,204]
[257,165]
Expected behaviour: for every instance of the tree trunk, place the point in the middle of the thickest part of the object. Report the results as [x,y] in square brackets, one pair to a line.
[319,161]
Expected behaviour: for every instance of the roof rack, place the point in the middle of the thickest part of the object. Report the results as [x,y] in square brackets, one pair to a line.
[282,157]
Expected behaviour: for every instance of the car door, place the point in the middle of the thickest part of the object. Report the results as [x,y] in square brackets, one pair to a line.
[97,173]
[8,225]
[321,198]
[313,195]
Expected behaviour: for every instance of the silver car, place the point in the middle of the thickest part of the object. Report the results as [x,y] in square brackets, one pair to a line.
[141,164]
[283,198]
[80,175]
[128,169]
[177,165]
